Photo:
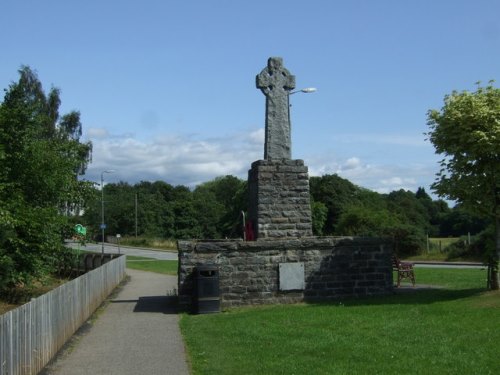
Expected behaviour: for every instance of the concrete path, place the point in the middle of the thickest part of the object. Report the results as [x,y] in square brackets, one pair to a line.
[137,333]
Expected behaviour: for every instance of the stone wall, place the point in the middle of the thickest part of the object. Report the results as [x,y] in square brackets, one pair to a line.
[249,271]
[279,199]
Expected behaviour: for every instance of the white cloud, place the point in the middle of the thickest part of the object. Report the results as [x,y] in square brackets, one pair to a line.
[382,178]
[186,160]
[176,159]
[416,140]
[97,133]
[258,136]
[352,163]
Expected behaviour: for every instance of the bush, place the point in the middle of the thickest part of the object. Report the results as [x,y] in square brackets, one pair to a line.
[480,248]
[408,239]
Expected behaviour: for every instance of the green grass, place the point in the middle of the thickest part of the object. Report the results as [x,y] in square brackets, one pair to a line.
[444,241]
[152,243]
[436,251]
[449,330]
[166,267]
[435,256]
[452,278]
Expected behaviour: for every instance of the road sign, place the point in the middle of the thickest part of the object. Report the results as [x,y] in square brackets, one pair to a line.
[80,229]
[103,226]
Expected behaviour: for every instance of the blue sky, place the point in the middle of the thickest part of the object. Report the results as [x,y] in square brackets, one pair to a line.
[166,89]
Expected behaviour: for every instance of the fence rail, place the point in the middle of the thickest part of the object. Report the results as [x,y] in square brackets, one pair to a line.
[33,333]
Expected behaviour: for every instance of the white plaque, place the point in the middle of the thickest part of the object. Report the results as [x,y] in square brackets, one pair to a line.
[292,276]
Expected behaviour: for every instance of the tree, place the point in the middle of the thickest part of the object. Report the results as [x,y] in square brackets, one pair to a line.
[221,200]
[436,211]
[408,239]
[336,193]
[460,222]
[319,213]
[466,132]
[41,159]
[405,204]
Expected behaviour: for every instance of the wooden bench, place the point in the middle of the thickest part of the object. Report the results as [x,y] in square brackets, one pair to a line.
[404,270]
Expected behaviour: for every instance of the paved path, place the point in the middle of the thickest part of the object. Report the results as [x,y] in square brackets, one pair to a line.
[137,333]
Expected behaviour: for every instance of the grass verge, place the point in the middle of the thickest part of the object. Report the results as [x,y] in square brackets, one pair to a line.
[453,329]
[152,243]
[166,267]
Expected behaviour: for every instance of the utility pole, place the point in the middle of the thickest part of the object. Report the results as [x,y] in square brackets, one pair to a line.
[103,225]
[135,215]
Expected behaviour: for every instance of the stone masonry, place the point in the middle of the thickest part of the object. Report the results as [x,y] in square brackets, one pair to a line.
[279,199]
[334,268]
[276,83]
[278,186]
[284,264]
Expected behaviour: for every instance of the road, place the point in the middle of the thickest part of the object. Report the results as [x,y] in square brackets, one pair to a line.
[113,249]
[450,265]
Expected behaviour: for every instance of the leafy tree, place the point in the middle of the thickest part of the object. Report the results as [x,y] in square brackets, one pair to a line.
[155,217]
[459,222]
[186,217]
[319,213]
[336,193]
[371,199]
[406,205]
[222,200]
[436,211]
[361,221]
[41,158]
[466,131]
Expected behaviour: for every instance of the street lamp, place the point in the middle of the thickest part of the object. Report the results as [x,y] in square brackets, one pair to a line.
[102,207]
[307,90]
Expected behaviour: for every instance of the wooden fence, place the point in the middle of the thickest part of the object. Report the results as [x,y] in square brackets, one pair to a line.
[33,333]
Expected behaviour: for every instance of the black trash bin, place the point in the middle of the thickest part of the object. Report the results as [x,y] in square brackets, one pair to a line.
[207,296]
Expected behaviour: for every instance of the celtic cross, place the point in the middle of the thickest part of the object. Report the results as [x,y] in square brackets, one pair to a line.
[276,82]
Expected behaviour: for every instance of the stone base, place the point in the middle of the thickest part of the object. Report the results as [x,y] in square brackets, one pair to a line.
[279,199]
[249,272]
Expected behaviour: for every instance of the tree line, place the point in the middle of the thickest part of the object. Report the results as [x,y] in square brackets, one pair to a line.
[215,209]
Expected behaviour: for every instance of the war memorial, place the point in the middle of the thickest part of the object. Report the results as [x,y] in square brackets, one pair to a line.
[280,261]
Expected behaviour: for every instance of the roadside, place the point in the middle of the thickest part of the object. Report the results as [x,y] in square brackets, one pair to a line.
[441,264]
[127,250]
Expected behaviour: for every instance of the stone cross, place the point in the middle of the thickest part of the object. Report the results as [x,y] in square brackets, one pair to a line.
[276,82]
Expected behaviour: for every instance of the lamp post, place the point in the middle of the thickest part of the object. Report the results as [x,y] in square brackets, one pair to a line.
[102,206]
[307,90]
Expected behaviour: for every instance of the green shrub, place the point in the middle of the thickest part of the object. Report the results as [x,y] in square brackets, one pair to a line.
[480,247]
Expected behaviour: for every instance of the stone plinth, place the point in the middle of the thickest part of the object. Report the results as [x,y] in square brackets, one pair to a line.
[249,271]
[280,204]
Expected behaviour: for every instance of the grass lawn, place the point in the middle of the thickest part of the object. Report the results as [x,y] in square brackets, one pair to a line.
[443,241]
[450,330]
[166,267]
[437,249]
[147,242]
